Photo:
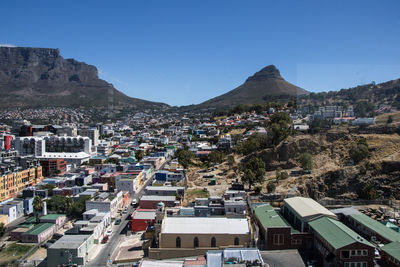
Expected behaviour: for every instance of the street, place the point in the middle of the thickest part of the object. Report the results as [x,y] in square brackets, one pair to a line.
[103,257]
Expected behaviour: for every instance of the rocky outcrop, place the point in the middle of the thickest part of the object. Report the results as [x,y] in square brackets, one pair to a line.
[32,77]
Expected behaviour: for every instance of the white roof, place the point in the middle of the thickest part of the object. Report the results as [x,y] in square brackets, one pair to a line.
[65,155]
[205,225]
[306,207]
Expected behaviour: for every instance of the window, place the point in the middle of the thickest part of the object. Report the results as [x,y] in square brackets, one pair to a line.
[296,241]
[213,242]
[353,253]
[236,241]
[359,252]
[278,239]
[365,252]
[178,242]
[345,254]
[196,242]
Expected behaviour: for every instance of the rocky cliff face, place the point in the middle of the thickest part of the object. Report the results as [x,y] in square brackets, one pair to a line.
[31,77]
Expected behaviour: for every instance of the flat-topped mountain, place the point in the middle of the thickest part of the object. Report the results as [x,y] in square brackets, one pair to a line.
[265,85]
[41,77]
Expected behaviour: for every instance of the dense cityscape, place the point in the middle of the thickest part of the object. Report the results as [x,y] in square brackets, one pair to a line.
[199,133]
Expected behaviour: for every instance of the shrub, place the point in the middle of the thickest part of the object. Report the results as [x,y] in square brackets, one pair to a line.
[271,186]
[306,161]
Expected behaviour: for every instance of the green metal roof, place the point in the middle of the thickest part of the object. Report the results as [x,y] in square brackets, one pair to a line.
[26,225]
[270,218]
[377,227]
[38,229]
[393,249]
[51,216]
[336,233]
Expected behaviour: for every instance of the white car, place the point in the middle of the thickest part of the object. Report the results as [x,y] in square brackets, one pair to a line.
[109,232]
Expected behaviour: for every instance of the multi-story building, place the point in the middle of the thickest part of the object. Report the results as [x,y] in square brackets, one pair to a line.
[52,167]
[18,173]
[72,149]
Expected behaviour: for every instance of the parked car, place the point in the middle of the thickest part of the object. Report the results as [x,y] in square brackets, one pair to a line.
[134,203]
[109,232]
[117,222]
[105,239]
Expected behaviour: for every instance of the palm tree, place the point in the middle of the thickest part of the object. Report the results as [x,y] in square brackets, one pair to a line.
[37,204]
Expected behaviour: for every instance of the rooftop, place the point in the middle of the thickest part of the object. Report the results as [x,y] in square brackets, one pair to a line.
[269,217]
[144,215]
[38,229]
[51,216]
[393,249]
[306,207]
[164,188]
[336,233]
[205,225]
[377,227]
[69,242]
[157,198]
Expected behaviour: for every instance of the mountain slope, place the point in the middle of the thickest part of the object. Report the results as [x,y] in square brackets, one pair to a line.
[41,77]
[265,85]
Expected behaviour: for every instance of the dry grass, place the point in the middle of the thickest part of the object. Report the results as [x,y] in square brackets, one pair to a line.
[382,119]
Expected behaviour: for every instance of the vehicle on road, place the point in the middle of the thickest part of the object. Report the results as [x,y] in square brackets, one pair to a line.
[134,203]
[125,211]
[117,222]
[104,240]
[109,232]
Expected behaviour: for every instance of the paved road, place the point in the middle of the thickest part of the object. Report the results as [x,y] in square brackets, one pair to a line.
[104,255]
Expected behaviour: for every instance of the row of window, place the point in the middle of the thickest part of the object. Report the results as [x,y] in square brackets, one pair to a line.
[355,264]
[196,242]
[346,254]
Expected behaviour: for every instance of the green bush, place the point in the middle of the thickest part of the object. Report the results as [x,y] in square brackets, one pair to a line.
[271,186]
[358,152]
[306,161]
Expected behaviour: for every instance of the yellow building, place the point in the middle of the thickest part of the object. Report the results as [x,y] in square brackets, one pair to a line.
[13,183]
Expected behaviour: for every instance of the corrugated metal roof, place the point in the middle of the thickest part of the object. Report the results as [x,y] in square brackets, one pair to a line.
[393,249]
[336,233]
[307,207]
[377,227]
[38,229]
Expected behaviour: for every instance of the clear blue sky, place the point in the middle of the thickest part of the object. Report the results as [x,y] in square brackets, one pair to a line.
[185,52]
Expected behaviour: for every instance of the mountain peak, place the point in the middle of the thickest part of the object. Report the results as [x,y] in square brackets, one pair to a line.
[269,72]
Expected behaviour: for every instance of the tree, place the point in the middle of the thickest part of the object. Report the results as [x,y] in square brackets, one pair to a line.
[231,160]
[306,161]
[139,154]
[113,160]
[37,204]
[279,127]
[2,229]
[390,119]
[59,204]
[257,189]
[254,171]
[281,175]
[184,157]
[271,186]
[216,157]
[358,152]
